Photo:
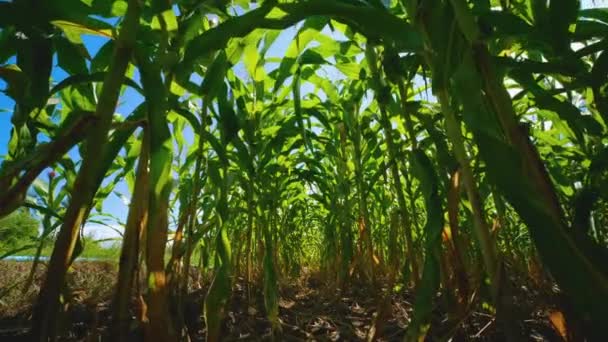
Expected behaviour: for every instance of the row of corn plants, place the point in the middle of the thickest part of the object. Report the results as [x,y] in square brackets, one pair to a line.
[445,145]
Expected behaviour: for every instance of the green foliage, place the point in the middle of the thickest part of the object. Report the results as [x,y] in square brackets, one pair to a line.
[93,249]
[17,230]
[270,164]
[429,284]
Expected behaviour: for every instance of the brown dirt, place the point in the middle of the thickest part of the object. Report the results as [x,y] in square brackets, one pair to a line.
[309,310]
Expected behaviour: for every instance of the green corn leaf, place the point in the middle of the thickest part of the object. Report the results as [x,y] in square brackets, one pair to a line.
[429,284]
[214,76]
[562,18]
[70,57]
[216,38]
[88,78]
[73,30]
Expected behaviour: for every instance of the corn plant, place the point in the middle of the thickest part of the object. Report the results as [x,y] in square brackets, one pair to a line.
[440,144]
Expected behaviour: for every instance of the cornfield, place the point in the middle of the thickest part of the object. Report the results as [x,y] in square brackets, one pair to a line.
[453,150]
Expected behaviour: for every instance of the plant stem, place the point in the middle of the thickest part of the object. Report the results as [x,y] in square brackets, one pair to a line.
[47,305]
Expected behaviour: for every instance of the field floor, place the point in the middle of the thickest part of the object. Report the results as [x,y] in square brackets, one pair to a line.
[309,311]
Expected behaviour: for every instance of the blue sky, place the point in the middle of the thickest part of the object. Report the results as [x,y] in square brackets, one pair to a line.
[114,205]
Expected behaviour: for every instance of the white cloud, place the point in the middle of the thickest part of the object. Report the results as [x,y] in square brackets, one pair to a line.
[103,232]
[593,3]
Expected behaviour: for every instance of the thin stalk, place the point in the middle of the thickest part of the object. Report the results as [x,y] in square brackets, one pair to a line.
[366,249]
[47,305]
[160,326]
[480,226]
[344,214]
[136,222]
[250,220]
[409,125]
[180,283]
[489,253]
[221,287]
[192,220]
[394,167]
[250,193]
[413,209]
[47,228]
[405,218]
[454,244]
